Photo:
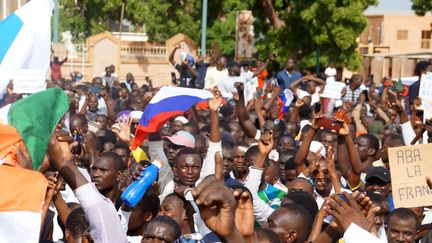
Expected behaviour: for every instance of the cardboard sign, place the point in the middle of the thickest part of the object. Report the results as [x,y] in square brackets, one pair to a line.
[28,81]
[333,90]
[409,166]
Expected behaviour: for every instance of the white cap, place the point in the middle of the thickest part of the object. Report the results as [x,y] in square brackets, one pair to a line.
[181,119]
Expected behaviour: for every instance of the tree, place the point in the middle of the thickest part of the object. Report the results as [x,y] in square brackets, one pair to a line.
[89,17]
[298,28]
[165,18]
[330,27]
[421,7]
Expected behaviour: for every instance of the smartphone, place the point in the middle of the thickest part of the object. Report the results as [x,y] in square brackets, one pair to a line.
[258,93]
[325,123]
[398,86]
[317,107]
[173,78]
[366,94]
[95,90]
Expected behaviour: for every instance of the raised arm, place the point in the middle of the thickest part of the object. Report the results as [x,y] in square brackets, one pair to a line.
[215,145]
[258,111]
[110,109]
[192,70]
[357,113]
[171,57]
[303,151]
[58,150]
[261,68]
[83,110]
[275,95]
[353,175]
[334,178]
[295,113]
[297,82]
[65,59]
[242,114]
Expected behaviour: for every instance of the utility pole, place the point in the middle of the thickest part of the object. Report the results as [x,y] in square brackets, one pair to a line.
[121,20]
[56,16]
[204,28]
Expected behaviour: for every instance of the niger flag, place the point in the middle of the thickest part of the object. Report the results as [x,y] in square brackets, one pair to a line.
[21,200]
[35,117]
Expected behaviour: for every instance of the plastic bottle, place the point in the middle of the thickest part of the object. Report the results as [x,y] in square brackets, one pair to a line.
[135,191]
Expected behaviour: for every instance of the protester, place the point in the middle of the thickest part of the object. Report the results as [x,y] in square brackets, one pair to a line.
[237,162]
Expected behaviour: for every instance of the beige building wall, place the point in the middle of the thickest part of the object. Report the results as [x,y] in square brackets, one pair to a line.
[413,25]
[382,31]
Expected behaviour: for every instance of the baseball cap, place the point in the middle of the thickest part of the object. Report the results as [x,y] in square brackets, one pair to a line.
[181,119]
[378,172]
[182,138]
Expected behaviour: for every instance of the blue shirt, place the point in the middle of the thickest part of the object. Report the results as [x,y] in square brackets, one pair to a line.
[285,79]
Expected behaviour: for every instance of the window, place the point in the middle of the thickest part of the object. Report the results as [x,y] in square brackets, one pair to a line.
[426,39]
[402,35]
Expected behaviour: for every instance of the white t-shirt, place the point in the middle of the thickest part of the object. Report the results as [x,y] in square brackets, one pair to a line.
[226,83]
[212,77]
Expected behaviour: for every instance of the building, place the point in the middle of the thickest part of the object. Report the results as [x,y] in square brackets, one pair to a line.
[394,40]
[9,6]
[398,33]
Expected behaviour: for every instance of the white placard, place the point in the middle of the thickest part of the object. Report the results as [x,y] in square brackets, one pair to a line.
[425,90]
[333,90]
[27,81]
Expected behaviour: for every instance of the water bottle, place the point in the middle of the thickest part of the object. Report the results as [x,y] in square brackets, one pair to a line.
[135,191]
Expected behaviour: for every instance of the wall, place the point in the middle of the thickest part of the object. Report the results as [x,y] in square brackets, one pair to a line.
[142,59]
[413,24]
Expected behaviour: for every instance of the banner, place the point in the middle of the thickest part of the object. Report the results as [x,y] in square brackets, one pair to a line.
[409,166]
[25,81]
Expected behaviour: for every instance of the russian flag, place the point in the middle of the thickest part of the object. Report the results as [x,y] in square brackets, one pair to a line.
[285,98]
[168,102]
[25,38]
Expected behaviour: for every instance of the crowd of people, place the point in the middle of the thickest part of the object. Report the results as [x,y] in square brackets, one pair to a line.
[241,169]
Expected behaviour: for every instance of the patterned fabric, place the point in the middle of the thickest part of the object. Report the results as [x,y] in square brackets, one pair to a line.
[352,95]
[272,196]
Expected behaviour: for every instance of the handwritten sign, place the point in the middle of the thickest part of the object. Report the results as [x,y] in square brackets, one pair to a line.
[409,166]
[28,81]
[333,90]
[425,90]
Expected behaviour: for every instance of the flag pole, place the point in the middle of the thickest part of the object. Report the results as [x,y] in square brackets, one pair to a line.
[204,28]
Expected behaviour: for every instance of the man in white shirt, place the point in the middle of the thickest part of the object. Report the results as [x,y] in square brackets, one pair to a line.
[214,73]
[226,83]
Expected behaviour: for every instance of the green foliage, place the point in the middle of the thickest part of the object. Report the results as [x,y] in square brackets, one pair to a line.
[328,26]
[165,18]
[421,7]
[90,17]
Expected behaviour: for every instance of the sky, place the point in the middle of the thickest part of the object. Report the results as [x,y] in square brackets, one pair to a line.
[391,6]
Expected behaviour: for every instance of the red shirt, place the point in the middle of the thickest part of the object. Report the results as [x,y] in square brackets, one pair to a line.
[55,71]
